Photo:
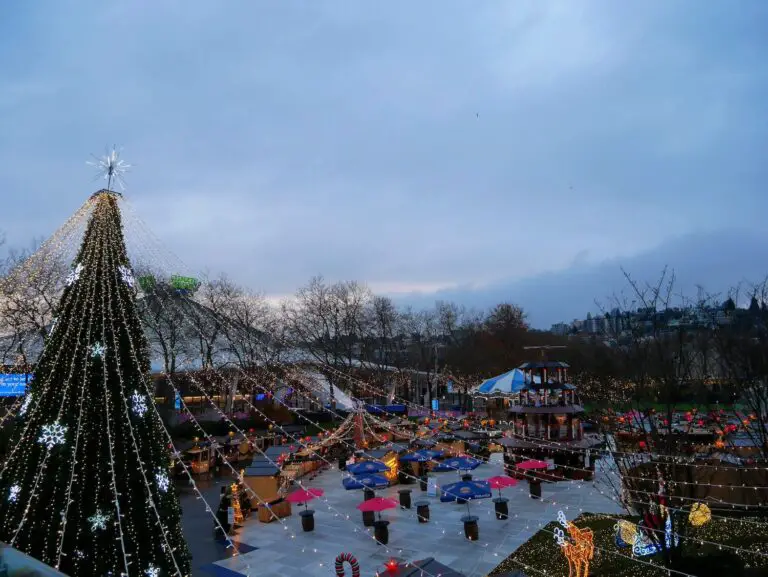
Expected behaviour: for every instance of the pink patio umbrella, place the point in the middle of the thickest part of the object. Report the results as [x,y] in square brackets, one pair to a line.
[377,505]
[532,464]
[304,496]
[501,482]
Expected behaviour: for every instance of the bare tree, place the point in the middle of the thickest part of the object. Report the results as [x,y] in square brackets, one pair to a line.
[29,292]
[661,354]
[162,314]
[741,342]
[328,321]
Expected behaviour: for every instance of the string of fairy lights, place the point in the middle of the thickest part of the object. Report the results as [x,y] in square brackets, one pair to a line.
[140,406]
[234,426]
[124,397]
[113,264]
[55,432]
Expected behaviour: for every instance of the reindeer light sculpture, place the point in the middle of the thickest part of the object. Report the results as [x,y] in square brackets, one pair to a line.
[578,547]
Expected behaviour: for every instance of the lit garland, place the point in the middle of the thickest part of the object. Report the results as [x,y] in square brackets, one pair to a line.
[90,455]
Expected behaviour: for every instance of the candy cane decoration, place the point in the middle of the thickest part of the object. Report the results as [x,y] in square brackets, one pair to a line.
[352,562]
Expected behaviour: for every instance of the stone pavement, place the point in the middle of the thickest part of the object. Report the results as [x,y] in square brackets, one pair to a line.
[283,550]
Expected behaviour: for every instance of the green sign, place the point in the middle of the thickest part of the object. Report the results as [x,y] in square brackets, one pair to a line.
[184,283]
[147,283]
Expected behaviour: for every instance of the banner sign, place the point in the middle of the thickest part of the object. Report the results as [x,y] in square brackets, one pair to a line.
[14,384]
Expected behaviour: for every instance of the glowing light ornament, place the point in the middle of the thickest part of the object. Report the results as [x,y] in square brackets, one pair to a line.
[578,547]
[699,515]
[626,533]
[13,493]
[127,276]
[98,351]
[25,406]
[152,571]
[162,480]
[52,435]
[98,521]
[74,275]
[138,404]
[53,325]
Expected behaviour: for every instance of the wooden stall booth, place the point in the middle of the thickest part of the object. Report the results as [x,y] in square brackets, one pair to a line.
[267,482]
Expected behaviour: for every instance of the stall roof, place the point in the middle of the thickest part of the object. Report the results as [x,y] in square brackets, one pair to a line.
[424,567]
[554,409]
[544,365]
[266,471]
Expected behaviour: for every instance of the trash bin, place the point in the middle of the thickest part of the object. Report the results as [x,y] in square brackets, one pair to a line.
[501,505]
[307,520]
[471,530]
[405,498]
[381,532]
[534,488]
[368,518]
[422,511]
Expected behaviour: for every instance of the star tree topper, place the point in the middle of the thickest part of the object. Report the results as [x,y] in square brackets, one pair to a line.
[110,168]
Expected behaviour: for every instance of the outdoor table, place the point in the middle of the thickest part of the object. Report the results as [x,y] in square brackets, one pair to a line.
[405,498]
[502,508]
[471,530]
[307,519]
[422,511]
[381,531]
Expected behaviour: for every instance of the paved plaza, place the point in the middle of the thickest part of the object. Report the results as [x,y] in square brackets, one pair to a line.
[283,550]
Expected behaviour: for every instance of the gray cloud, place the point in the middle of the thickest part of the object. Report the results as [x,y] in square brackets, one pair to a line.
[404,144]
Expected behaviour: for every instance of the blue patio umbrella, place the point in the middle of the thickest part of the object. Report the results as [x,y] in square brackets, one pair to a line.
[365,481]
[367,467]
[465,491]
[459,464]
[421,456]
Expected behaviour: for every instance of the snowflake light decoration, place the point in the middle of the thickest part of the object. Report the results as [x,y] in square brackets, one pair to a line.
[152,571]
[162,480]
[110,168]
[74,275]
[25,405]
[13,493]
[126,274]
[52,435]
[98,521]
[138,404]
[98,351]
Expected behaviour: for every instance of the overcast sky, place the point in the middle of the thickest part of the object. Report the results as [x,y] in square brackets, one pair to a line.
[479,150]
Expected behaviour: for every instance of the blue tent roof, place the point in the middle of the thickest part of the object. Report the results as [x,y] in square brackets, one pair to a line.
[507,383]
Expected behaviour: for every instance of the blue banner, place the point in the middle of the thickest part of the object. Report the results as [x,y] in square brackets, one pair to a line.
[14,384]
[449,386]
[435,404]
[177,404]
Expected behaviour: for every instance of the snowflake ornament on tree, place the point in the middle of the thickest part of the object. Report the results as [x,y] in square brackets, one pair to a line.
[52,435]
[13,493]
[138,404]
[127,275]
[162,480]
[74,275]
[98,521]
[25,405]
[98,351]
[152,571]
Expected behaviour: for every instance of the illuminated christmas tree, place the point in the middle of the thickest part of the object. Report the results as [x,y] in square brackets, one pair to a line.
[85,487]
